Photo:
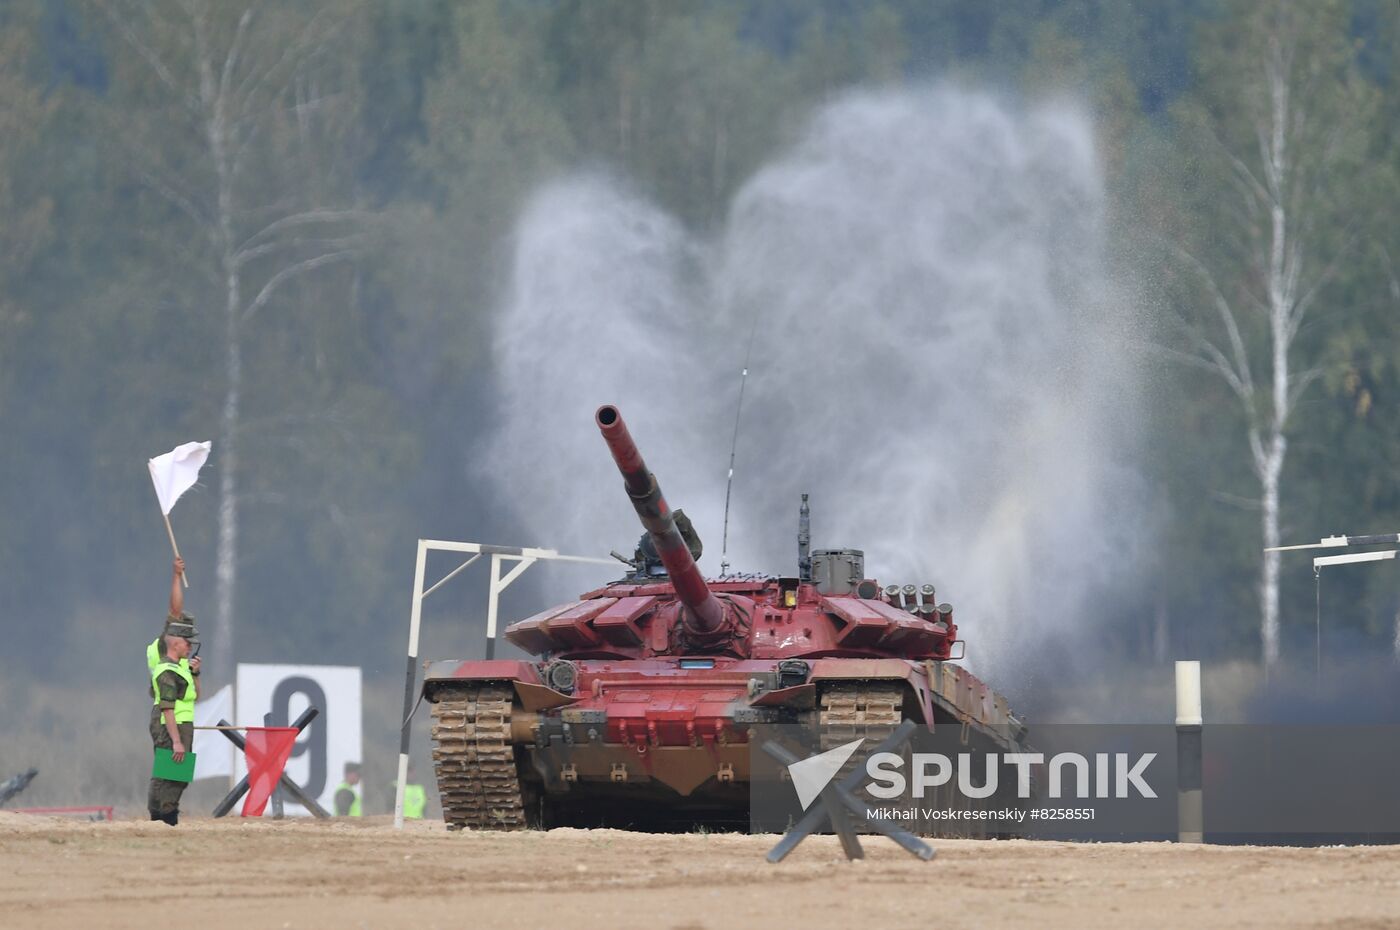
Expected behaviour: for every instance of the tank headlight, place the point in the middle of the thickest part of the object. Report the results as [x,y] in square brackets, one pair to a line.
[562,676]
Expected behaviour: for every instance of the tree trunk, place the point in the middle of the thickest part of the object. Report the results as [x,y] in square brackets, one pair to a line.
[1277,170]
[1268,579]
[226,558]
[1271,468]
[221,644]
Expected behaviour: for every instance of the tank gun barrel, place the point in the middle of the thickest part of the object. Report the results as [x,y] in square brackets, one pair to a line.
[705,610]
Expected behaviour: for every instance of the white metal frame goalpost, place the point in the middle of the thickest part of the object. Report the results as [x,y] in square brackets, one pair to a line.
[523,557]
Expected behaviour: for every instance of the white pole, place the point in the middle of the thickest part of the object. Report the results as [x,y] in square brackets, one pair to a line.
[492,599]
[1324,560]
[1188,694]
[499,584]
[452,574]
[415,616]
[1189,813]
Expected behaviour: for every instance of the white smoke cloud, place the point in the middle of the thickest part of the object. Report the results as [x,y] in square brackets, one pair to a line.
[935,358]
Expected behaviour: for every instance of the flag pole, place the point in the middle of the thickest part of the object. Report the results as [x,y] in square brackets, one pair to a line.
[169,530]
[174,548]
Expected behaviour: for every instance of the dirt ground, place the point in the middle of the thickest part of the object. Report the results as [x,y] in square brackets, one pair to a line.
[257,874]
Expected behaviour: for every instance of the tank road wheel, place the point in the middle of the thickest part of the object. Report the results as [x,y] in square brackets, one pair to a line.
[475,761]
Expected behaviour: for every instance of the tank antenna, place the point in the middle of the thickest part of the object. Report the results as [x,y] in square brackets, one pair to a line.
[734,446]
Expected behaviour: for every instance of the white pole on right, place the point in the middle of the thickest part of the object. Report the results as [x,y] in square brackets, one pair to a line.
[1190,824]
[415,617]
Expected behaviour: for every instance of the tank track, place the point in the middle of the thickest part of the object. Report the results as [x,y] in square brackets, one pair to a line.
[872,710]
[851,711]
[475,762]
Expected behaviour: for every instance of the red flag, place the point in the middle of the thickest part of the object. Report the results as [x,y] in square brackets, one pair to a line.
[266,751]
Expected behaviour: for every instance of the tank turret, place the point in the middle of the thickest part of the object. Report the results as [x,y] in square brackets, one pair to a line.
[704,611]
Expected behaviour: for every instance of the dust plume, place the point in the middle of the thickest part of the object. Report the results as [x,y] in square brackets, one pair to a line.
[937,357]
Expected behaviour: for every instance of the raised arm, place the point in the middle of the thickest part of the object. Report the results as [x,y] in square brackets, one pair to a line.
[177,594]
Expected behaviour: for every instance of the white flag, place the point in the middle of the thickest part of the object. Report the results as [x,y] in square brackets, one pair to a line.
[213,750]
[176,471]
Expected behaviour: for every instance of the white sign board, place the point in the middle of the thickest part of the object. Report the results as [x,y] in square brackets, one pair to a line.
[317,763]
[213,752]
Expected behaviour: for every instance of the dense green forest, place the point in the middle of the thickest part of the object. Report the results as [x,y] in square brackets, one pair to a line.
[283,227]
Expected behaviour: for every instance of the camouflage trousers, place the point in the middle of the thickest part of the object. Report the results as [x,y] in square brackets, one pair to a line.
[164,795]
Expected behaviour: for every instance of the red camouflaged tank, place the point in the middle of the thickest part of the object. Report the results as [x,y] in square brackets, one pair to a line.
[637,709]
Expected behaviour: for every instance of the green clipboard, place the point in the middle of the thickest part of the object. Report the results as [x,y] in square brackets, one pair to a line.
[166,767]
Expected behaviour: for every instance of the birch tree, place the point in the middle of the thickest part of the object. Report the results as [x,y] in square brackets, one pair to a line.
[212,113]
[1278,119]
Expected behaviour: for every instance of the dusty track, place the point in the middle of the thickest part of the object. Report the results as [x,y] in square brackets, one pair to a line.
[56,874]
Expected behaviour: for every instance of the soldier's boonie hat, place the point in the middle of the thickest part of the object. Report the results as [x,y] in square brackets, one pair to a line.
[183,628]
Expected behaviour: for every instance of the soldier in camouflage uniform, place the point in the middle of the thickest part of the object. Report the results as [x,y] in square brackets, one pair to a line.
[174,673]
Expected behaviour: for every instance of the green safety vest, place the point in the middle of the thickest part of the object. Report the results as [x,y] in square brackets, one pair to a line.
[355,804]
[184,704]
[153,656]
[415,801]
